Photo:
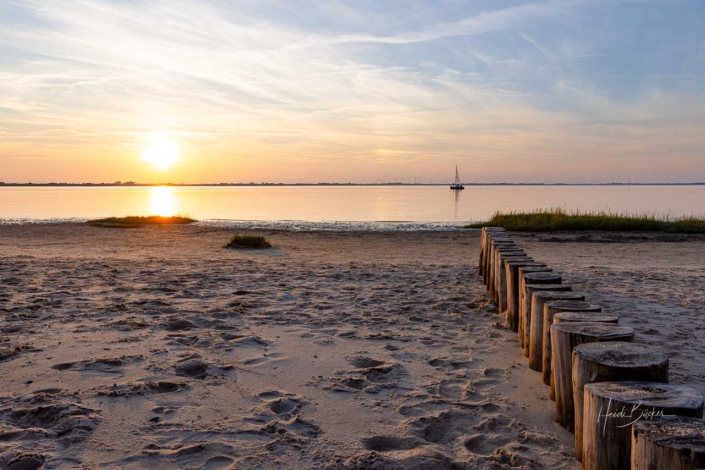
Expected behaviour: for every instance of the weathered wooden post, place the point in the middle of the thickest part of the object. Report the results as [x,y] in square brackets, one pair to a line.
[502,276]
[550,308]
[670,442]
[494,244]
[512,270]
[538,300]
[613,361]
[564,338]
[483,243]
[493,266]
[543,283]
[531,282]
[522,271]
[499,237]
[611,408]
[496,268]
[487,250]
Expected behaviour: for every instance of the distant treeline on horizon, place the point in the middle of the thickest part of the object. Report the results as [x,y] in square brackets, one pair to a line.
[132,183]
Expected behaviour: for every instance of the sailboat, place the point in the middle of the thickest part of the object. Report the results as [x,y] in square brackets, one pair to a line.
[457,184]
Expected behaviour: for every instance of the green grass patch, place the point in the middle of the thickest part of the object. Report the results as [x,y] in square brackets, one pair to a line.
[248,241]
[554,220]
[140,221]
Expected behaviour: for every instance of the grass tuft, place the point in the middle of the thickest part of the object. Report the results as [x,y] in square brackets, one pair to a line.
[559,219]
[248,241]
[139,221]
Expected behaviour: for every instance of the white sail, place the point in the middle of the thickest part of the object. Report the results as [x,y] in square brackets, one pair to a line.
[458,184]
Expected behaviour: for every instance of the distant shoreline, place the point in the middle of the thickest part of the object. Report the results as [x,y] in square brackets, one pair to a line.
[130,184]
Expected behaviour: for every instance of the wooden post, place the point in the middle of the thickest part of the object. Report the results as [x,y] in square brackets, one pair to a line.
[550,308]
[502,277]
[534,282]
[499,237]
[512,271]
[613,361]
[522,282]
[538,299]
[564,338]
[494,244]
[502,250]
[671,442]
[488,250]
[483,243]
[517,253]
[612,407]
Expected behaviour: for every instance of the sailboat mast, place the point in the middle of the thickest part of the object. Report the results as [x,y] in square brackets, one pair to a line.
[457,184]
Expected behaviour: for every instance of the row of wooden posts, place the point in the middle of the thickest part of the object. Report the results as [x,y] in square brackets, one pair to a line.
[611,392]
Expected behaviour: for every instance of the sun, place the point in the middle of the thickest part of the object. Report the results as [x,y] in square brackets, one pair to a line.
[162,151]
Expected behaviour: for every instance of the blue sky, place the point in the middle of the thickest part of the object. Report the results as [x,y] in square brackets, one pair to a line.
[274,90]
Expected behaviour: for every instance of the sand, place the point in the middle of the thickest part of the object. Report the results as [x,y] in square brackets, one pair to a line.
[157,348]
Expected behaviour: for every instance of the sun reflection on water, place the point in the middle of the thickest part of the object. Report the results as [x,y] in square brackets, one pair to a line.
[163,201]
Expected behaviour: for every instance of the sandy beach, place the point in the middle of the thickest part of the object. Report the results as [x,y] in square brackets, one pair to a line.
[157,348]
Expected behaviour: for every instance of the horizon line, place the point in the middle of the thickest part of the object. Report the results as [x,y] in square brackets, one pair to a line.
[135,184]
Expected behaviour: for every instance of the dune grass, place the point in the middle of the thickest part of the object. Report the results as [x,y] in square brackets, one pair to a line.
[248,241]
[558,219]
[140,221]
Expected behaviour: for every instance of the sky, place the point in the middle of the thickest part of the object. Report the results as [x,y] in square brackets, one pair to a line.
[352,91]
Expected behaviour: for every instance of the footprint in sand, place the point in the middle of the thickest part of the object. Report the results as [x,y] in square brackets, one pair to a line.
[369,376]
[48,416]
[244,341]
[446,427]
[197,368]
[392,443]
[178,324]
[128,324]
[104,365]
[147,387]
[25,461]
[266,358]
[219,462]
[486,444]
[281,414]
[487,378]
[442,427]
[452,363]
[455,389]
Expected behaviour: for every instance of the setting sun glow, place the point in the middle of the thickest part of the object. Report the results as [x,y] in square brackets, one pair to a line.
[162,201]
[161,151]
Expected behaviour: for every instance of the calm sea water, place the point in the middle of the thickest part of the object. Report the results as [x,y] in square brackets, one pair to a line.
[337,206]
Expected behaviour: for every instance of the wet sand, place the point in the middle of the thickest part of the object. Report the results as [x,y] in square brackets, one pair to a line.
[157,348]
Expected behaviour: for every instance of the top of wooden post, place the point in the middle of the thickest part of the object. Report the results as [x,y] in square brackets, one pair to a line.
[599,331]
[585,317]
[522,264]
[573,305]
[687,435]
[648,394]
[541,276]
[618,354]
[550,292]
